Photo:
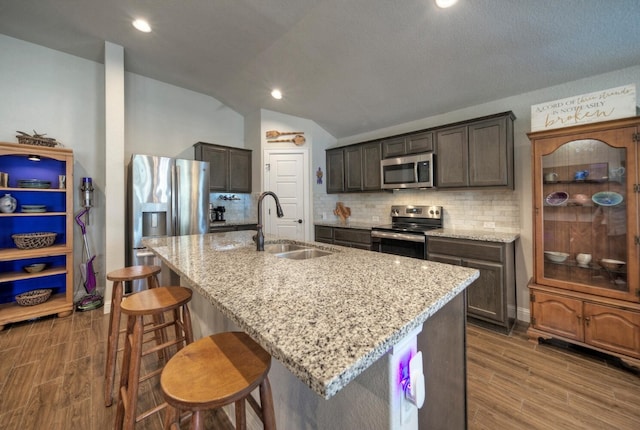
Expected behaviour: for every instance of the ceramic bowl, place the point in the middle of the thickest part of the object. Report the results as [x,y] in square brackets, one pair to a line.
[34,268]
[612,265]
[556,257]
[607,198]
[581,199]
[558,198]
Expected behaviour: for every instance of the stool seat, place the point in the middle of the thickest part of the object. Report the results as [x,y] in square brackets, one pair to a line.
[133,273]
[150,302]
[216,371]
[119,277]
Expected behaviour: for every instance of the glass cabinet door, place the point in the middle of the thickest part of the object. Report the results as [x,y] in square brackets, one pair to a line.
[586,214]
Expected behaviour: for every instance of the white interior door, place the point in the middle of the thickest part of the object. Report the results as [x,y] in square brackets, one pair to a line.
[285,177]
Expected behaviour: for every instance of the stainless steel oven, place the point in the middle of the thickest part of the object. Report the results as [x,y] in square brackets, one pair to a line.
[406,234]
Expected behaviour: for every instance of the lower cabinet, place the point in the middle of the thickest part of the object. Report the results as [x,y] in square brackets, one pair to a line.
[492,297]
[611,327]
[351,237]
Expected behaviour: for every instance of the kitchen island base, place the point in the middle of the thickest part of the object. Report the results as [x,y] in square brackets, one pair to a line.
[364,403]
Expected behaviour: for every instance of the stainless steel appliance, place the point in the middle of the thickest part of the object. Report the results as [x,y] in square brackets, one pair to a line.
[166,197]
[406,234]
[411,171]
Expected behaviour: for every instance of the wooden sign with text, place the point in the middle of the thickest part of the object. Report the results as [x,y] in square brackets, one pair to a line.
[603,105]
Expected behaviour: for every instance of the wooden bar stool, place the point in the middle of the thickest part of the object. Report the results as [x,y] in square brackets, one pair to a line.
[154,301]
[119,277]
[216,371]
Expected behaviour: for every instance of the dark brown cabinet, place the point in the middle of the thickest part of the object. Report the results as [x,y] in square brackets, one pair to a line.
[491,298]
[335,170]
[351,237]
[229,168]
[409,144]
[354,168]
[476,154]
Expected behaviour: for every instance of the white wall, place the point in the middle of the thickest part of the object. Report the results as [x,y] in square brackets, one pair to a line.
[511,210]
[64,96]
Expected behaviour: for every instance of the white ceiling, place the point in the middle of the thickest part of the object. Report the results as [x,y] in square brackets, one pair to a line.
[350,65]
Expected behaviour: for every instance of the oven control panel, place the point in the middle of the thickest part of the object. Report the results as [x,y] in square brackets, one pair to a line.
[434,212]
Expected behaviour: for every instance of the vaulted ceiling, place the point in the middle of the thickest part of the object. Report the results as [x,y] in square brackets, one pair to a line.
[350,65]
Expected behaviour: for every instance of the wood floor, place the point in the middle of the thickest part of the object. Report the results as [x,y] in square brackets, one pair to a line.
[51,376]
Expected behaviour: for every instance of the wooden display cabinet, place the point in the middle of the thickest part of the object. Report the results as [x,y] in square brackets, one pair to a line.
[58,218]
[585,201]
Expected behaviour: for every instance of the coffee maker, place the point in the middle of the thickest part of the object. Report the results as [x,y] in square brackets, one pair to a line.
[218,213]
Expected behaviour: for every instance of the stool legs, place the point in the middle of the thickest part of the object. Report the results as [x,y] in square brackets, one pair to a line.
[112,342]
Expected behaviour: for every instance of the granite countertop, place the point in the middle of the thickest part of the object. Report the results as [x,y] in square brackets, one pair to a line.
[326,319]
[232,223]
[484,235]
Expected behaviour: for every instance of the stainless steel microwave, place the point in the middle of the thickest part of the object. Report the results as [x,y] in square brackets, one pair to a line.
[411,171]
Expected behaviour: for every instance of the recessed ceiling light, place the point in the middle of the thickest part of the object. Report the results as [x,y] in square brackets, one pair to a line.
[142,25]
[276,94]
[445,3]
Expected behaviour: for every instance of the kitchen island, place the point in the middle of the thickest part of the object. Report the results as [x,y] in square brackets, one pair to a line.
[329,322]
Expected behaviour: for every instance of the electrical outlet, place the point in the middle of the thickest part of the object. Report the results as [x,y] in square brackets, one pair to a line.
[324,215]
[375,218]
[489,224]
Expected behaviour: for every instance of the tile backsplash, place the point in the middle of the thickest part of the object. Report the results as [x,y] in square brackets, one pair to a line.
[476,210]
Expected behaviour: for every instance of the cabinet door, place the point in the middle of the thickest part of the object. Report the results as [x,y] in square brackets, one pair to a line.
[353,168]
[393,147]
[585,203]
[335,171]
[557,315]
[419,142]
[324,234]
[485,297]
[371,167]
[489,160]
[239,171]
[612,329]
[452,160]
[218,165]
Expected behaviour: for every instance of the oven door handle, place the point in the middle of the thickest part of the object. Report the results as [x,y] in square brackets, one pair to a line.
[398,236]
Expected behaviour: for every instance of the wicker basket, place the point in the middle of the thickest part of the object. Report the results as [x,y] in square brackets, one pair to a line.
[34,297]
[38,141]
[33,240]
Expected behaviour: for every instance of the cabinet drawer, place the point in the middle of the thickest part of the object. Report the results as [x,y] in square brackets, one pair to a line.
[351,235]
[466,249]
[324,234]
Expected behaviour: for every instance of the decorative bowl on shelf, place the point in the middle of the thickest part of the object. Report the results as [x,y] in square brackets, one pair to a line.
[557,198]
[33,208]
[607,198]
[580,199]
[33,183]
[34,268]
[613,265]
[34,297]
[556,257]
[33,240]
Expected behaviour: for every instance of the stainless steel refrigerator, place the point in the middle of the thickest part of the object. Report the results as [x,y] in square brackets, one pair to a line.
[166,197]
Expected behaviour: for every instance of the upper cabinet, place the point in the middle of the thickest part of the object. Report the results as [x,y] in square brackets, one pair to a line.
[478,153]
[586,284]
[409,144]
[229,168]
[354,168]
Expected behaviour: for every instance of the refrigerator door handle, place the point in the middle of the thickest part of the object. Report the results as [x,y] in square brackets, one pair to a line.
[175,198]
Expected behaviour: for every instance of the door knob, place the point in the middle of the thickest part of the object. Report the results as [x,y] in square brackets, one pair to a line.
[299,221]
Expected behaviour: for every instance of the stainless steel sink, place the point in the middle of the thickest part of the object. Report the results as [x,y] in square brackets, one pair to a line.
[303,254]
[277,248]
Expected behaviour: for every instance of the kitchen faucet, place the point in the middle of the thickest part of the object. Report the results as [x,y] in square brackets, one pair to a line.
[259,237]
